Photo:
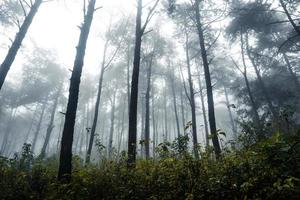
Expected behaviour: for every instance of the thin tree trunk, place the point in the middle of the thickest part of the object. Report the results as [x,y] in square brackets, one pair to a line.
[97,105]
[175,103]
[192,97]
[147,104]
[166,130]
[203,111]
[31,124]
[50,125]
[7,132]
[13,50]
[122,128]
[153,123]
[244,73]
[65,165]
[38,128]
[209,89]
[112,125]
[182,112]
[233,126]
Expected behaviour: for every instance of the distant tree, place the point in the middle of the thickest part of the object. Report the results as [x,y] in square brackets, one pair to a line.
[114,38]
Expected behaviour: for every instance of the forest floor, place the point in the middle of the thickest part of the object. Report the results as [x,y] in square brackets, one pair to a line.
[266,170]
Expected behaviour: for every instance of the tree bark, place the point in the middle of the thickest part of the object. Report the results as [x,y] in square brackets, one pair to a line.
[147,113]
[13,50]
[209,89]
[132,130]
[65,165]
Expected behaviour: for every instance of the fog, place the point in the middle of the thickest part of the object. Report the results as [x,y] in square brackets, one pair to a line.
[251,48]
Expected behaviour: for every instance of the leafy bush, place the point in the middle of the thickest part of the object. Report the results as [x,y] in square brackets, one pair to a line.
[269,169]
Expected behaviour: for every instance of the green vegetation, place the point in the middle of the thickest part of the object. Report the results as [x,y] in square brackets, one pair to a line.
[268,169]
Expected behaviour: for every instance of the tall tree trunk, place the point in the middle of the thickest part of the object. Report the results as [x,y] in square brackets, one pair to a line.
[147,104]
[50,125]
[192,97]
[38,127]
[13,50]
[97,105]
[112,125]
[228,105]
[209,89]
[142,102]
[65,164]
[203,110]
[128,78]
[132,132]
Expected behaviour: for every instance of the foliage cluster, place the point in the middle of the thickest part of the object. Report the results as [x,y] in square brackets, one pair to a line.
[268,169]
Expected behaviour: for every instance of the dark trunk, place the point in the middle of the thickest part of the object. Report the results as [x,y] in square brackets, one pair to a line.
[65,165]
[209,89]
[132,130]
[13,50]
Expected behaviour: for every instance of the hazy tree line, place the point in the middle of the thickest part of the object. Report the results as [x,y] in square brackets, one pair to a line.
[227,68]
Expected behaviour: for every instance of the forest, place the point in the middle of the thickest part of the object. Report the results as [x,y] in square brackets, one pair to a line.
[149,99]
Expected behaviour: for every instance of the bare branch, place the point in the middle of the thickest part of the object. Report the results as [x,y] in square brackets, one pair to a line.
[22,6]
[150,15]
